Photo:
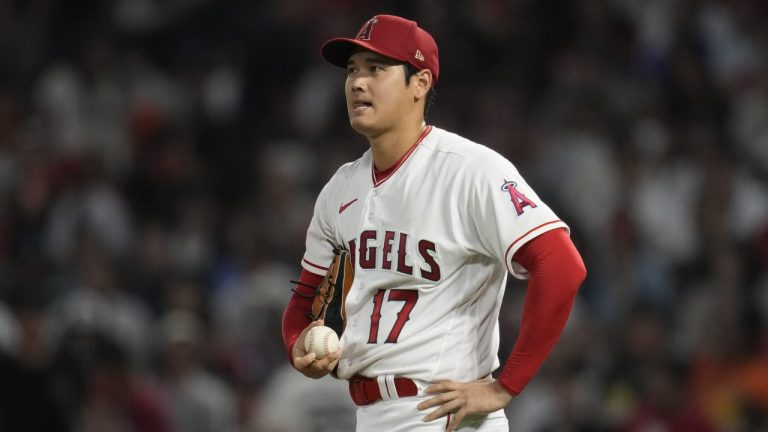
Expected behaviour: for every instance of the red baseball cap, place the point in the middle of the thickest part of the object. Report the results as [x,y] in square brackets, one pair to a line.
[390,36]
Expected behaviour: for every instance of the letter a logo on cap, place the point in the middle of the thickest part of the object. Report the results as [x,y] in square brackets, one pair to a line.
[365,32]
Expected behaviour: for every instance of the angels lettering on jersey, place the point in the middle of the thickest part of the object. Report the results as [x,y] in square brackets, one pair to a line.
[391,253]
[388,250]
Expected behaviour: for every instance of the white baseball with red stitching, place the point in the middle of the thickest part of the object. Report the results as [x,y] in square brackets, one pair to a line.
[322,341]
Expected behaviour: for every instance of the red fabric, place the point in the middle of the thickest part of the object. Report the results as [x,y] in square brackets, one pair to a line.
[390,36]
[556,272]
[377,173]
[295,318]
[365,391]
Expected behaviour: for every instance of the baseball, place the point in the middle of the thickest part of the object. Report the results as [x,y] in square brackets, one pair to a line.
[322,341]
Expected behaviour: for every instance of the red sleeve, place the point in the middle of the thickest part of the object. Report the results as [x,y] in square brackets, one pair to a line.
[556,272]
[295,318]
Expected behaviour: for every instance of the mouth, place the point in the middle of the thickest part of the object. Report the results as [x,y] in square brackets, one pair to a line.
[360,106]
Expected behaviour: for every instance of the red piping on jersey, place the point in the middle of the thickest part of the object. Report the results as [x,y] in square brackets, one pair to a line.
[388,172]
[506,254]
[315,265]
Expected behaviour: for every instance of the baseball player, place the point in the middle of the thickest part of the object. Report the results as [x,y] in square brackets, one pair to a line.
[434,223]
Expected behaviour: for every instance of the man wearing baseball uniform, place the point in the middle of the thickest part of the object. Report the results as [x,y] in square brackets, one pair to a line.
[434,223]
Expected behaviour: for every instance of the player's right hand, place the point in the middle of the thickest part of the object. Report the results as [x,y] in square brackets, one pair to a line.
[307,364]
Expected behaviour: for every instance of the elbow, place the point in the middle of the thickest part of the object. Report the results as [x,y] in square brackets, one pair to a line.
[573,272]
[579,272]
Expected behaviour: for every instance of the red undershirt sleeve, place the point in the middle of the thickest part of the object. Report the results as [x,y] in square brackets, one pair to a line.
[295,318]
[556,271]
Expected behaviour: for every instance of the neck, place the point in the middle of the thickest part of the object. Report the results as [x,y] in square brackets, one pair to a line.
[387,148]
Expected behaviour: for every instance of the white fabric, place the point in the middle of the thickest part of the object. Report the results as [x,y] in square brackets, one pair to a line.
[451,208]
[401,415]
[383,390]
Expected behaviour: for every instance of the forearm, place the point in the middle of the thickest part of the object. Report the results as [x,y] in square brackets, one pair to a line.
[556,272]
[295,318]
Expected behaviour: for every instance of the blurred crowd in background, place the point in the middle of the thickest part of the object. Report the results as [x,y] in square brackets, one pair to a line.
[159,162]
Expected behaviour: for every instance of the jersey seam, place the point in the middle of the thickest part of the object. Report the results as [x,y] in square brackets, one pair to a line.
[472,195]
[442,349]
[468,157]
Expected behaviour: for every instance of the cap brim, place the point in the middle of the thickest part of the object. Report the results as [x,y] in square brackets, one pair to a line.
[337,51]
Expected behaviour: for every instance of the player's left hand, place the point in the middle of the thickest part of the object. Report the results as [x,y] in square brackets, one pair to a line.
[464,398]
[307,363]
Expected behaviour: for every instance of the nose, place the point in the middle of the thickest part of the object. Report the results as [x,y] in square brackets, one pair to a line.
[356,83]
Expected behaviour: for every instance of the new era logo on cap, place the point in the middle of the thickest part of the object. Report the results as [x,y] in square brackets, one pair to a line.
[390,36]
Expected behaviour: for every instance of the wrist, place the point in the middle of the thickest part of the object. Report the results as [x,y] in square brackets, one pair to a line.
[504,391]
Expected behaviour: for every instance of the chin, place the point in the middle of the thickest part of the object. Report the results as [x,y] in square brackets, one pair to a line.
[361,126]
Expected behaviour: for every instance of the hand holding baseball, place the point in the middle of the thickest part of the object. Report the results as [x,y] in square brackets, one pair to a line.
[322,341]
[316,356]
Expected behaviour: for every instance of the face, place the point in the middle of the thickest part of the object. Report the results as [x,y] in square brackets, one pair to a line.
[378,99]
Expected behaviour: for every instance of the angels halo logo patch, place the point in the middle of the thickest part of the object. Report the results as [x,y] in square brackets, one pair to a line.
[519,200]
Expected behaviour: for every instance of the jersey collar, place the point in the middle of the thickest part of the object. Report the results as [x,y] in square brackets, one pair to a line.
[379,177]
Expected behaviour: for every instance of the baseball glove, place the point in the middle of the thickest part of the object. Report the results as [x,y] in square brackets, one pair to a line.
[329,296]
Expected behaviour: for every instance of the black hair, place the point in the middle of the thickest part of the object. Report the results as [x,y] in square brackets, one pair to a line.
[410,71]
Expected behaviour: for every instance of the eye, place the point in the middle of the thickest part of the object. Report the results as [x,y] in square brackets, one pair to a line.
[376,68]
[350,70]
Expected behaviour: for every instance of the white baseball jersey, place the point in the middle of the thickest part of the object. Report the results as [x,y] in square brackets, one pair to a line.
[432,242]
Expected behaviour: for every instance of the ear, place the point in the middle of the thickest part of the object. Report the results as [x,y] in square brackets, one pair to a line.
[422,82]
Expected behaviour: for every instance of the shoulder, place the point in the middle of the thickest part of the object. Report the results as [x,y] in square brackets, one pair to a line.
[463,151]
[350,170]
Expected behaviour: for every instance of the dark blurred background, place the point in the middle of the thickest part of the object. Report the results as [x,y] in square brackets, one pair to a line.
[159,160]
